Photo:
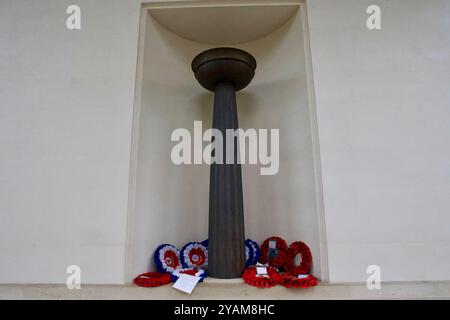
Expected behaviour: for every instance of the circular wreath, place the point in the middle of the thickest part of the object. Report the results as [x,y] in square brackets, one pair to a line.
[256,251]
[276,257]
[251,277]
[303,250]
[152,279]
[293,281]
[166,258]
[194,255]
[249,254]
[190,271]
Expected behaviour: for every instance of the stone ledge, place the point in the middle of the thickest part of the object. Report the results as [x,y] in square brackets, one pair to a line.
[234,289]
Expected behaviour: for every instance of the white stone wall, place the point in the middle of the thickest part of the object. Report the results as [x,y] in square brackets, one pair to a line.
[66,101]
[66,104]
[383,105]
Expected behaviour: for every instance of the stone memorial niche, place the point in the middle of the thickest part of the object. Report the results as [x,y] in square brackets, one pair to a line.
[225,71]
[169,199]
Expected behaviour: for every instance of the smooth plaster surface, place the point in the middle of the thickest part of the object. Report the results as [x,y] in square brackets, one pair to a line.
[383,107]
[66,102]
[65,135]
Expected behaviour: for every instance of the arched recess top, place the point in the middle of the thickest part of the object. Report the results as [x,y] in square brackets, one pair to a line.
[222,23]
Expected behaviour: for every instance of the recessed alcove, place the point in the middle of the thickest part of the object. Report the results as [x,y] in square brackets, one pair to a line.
[169,203]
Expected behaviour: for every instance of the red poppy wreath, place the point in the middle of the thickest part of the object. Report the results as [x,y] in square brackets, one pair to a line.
[190,271]
[152,279]
[251,277]
[274,251]
[303,250]
[302,281]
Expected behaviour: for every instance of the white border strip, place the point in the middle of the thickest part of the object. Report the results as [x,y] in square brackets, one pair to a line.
[128,276]
[216,4]
[324,267]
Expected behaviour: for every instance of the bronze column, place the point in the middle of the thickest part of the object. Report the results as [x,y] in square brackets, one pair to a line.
[225,71]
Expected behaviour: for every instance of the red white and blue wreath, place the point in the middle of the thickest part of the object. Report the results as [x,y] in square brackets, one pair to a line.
[167,258]
[194,255]
[190,271]
[256,251]
[249,255]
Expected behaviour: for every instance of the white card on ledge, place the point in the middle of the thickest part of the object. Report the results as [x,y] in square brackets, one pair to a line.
[186,283]
[261,271]
[272,244]
[302,276]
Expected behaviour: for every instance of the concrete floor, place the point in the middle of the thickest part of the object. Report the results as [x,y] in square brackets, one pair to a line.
[236,289]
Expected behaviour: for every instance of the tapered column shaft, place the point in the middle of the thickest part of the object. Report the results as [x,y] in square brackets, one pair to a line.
[226,253]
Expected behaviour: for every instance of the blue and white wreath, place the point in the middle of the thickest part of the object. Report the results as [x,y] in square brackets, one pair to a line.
[249,255]
[254,250]
[167,258]
[194,255]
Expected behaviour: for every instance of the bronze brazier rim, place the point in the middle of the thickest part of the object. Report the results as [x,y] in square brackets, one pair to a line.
[223,53]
